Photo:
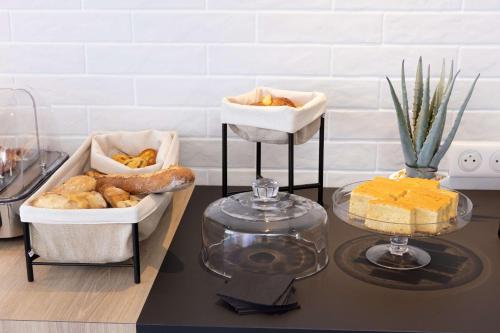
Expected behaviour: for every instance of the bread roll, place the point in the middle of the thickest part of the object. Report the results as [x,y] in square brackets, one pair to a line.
[94,174]
[94,199]
[58,201]
[128,203]
[114,195]
[167,180]
[76,184]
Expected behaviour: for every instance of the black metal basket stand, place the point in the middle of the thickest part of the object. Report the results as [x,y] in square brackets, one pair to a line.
[258,170]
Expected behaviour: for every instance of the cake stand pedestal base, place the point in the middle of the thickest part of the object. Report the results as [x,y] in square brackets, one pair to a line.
[398,255]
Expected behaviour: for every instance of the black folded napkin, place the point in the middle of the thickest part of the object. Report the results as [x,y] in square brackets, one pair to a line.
[248,292]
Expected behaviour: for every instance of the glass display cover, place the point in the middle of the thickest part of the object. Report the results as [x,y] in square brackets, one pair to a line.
[265,231]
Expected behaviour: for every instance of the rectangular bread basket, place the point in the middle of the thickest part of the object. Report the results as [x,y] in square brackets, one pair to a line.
[93,235]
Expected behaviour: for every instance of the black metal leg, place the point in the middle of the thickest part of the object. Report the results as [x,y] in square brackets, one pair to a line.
[290,162]
[258,170]
[135,248]
[27,251]
[321,159]
[224,160]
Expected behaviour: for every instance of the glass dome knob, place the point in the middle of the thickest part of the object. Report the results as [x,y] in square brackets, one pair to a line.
[265,189]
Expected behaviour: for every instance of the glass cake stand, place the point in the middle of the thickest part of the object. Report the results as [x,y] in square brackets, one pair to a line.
[398,254]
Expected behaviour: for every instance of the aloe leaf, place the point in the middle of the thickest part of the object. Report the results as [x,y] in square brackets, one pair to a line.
[447,142]
[405,97]
[409,154]
[438,94]
[432,107]
[440,134]
[435,133]
[417,95]
[424,115]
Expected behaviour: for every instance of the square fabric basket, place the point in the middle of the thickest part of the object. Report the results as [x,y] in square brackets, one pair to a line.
[271,124]
[99,235]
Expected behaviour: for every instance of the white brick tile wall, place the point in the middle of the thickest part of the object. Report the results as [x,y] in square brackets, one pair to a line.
[479,125]
[199,91]
[188,122]
[194,27]
[386,60]
[405,5]
[245,177]
[269,4]
[320,28]
[354,124]
[488,66]
[442,28]
[280,60]
[146,59]
[482,4]
[40,4]
[340,93]
[70,26]
[4,26]
[38,58]
[166,64]
[143,4]
[81,90]
[72,120]
[351,155]
[208,153]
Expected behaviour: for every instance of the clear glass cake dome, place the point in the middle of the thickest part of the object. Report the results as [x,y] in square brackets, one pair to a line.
[24,164]
[265,231]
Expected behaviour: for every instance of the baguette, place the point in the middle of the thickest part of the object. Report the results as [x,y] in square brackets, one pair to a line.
[172,179]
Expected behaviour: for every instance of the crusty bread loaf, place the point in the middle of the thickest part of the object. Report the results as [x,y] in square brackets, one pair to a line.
[76,184]
[167,180]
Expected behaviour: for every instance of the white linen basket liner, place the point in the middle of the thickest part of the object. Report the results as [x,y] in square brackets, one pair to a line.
[95,235]
[271,124]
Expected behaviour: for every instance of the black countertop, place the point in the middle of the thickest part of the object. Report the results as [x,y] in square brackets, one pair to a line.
[459,297]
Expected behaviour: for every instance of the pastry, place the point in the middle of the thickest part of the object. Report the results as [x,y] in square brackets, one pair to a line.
[146,158]
[269,100]
[81,183]
[172,179]
[121,158]
[136,163]
[149,155]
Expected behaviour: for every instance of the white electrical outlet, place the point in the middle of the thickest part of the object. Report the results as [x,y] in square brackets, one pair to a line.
[474,165]
[469,160]
[495,161]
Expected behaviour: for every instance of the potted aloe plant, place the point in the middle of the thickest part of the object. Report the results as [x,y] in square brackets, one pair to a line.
[421,135]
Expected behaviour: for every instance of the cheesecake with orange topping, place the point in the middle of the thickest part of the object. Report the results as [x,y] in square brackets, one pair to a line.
[403,206]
